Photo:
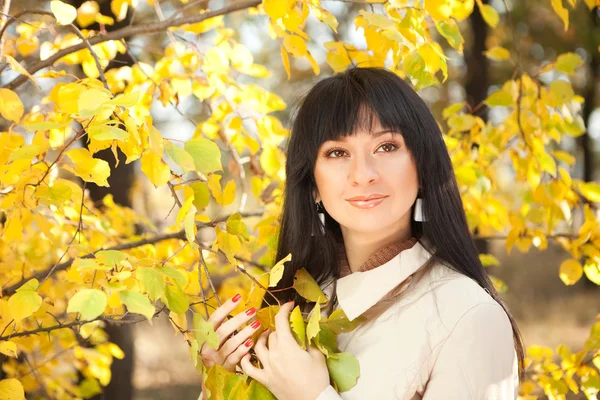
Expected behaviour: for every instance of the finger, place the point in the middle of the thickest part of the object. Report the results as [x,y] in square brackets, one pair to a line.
[272,341]
[315,352]
[228,327]
[282,322]
[224,310]
[237,340]
[234,358]
[253,372]
[261,347]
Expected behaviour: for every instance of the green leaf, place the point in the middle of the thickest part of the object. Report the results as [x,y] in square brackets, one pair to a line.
[112,258]
[206,155]
[54,195]
[23,304]
[276,272]
[204,332]
[298,327]
[177,301]
[257,391]
[313,327]
[179,156]
[563,91]
[177,276]
[488,260]
[452,109]
[32,284]
[137,303]
[339,322]
[90,303]
[326,341]
[201,195]
[152,281]
[500,98]
[307,287]
[220,382]
[568,62]
[450,31]
[344,370]
[106,132]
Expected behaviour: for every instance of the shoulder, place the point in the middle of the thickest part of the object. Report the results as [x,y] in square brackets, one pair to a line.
[456,298]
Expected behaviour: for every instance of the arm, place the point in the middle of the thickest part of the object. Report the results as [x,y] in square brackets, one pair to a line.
[478,360]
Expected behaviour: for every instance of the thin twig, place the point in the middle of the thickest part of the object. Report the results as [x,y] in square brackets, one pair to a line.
[128,31]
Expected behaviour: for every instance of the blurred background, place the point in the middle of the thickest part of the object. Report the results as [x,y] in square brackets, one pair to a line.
[548,312]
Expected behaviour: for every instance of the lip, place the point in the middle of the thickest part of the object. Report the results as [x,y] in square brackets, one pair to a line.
[365,204]
[372,196]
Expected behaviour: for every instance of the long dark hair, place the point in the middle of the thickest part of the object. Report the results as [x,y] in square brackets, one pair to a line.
[336,107]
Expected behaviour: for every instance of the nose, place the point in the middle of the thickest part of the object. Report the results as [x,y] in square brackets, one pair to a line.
[363,170]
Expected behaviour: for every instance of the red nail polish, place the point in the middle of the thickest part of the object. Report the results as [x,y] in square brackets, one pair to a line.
[236,298]
[248,343]
[255,324]
[250,311]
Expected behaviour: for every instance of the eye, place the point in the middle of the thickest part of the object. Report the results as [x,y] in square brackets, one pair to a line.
[332,151]
[394,146]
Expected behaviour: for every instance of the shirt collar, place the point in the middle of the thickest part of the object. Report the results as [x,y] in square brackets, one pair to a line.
[361,290]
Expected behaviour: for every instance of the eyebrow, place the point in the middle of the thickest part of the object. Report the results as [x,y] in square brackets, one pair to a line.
[374,134]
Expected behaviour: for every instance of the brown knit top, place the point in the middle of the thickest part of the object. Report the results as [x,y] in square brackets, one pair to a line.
[380,257]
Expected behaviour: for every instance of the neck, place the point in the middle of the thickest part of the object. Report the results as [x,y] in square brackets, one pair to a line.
[359,247]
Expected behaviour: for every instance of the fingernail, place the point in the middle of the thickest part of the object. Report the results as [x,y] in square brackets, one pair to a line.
[255,324]
[291,301]
[250,311]
[248,343]
[236,298]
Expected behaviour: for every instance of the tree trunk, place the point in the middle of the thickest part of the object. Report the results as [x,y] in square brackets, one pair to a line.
[120,181]
[477,82]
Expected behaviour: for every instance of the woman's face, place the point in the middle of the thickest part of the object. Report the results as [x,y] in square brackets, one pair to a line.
[370,163]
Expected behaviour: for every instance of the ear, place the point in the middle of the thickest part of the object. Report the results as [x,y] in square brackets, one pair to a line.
[315,194]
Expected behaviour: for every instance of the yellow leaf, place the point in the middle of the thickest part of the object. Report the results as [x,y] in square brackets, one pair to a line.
[9,348]
[592,271]
[286,62]
[489,14]
[228,193]
[15,66]
[570,271]
[276,272]
[497,53]
[327,17]
[11,107]
[278,8]
[295,45]
[65,14]
[439,9]
[307,287]
[119,8]
[298,327]
[86,13]
[313,327]
[11,389]
[562,12]
[155,169]
[88,168]
[590,190]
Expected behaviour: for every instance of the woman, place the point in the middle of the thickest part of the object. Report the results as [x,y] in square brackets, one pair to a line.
[367,158]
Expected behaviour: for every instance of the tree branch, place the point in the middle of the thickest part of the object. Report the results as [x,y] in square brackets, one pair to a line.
[132,31]
[125,246]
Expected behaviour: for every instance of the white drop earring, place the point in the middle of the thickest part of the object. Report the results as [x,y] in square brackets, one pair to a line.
[418,216]
[321,229]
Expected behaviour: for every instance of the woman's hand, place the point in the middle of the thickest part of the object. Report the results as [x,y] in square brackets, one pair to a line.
[289,372]
[231,349]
